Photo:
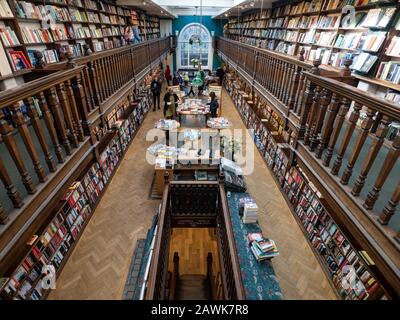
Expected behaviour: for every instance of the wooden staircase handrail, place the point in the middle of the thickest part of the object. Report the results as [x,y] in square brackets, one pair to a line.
[232,246]
[151,286]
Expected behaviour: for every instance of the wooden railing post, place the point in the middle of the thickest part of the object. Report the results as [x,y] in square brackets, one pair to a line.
[23,130]
[12,192]
[389,210]
[362,136]
[3,216]
[331,113]
[48,118]
[388,165]
[344,107]
[8,138]
[377,143]
[36,124]
[355,114]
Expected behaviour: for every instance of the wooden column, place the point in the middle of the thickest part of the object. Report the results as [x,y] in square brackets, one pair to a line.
[389,210]
[327,128]
[48,118]
[344,107]
[388,165]
[12,192]
[74,110]
[36,124]
[23,130]
[67,112]
[321,113]
[312,115]
[3,215]
[346,139]
[305,108]
[377,143]
[8,138]
[362,136]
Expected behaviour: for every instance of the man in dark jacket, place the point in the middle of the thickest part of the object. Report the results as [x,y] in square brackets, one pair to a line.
[156,90]
[220,74]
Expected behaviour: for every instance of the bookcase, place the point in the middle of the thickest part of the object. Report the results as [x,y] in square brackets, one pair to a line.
[323,31]
[54,27]
[52,244]
[349,269]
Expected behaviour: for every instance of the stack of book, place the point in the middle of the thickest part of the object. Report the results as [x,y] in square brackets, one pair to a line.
[250,212]
[261,247]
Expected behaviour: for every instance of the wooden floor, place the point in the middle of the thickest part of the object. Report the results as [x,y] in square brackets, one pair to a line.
[193,245]
[98,267]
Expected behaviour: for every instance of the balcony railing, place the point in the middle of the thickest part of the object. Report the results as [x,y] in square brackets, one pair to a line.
[342,135]
[44,121]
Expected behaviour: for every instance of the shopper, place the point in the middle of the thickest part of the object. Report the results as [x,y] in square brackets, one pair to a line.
[168,75]
[131,32]
[220,74]
[171,100]
[175,81]
[156,91]
[213,105]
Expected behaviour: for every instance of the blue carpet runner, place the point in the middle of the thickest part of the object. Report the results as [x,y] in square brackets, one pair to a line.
[138,265]
[258,278]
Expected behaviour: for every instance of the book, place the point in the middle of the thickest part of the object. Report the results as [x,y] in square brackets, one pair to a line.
[18,60]
[5,10]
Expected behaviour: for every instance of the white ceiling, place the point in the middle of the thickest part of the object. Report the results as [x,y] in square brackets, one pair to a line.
[220,9]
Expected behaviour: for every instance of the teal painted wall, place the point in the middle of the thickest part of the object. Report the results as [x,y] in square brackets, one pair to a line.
[212,25]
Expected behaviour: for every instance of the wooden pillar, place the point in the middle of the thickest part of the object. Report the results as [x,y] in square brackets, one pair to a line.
[36,124]
[388,165]
[362,136]
[377,143]
[3,215]
[12,192]
[389,210]
[23,130]
[8,138]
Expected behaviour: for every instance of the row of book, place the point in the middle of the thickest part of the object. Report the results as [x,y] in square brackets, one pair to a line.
[323,233]
[50,247]
[5,10]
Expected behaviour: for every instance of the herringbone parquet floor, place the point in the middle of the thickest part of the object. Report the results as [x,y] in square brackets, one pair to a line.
[98,267]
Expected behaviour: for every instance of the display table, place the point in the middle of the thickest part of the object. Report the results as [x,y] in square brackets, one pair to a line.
[193,107]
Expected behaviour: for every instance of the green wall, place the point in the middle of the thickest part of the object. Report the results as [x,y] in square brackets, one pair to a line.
[207,21]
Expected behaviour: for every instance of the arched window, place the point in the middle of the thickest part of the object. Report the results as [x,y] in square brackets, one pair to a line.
[187,52]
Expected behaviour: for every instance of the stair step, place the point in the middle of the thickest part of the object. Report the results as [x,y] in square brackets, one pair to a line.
[193,287]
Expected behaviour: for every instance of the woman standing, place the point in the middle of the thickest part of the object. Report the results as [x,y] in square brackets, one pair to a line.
[168,75]
[213,105]
[171,100]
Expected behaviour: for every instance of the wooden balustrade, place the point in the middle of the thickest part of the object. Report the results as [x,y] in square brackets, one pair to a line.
[172,205]
[51,99]
[44,121]
[338,125]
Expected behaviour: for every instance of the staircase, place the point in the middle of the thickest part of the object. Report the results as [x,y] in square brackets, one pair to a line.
[193,287]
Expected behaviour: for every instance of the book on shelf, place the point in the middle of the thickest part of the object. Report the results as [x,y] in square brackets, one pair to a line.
[9,37]
[5,10]
[18,60]
[378,17]
[364,62]
[394,47]
[389,71]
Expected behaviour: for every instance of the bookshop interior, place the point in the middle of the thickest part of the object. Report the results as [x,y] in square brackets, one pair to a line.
[199,150]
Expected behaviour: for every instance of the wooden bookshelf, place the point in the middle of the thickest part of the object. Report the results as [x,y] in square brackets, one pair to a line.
[333,249]
[97,24]
[318,26]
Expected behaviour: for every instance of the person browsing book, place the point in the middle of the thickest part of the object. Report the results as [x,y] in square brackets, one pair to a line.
[213,105]
[156,91]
